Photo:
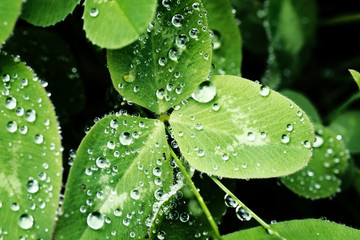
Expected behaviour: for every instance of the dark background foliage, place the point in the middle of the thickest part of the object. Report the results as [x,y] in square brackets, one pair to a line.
[83,96]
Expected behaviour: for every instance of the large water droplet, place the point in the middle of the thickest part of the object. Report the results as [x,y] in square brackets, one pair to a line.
[95,220]
[161,93]
[125,138]
[177,20]
[242,214]
[205,92]
[10,103]
[32,186]
[318,141]
[285,138]
[26,221]
[174,54]
[38,138]
[229,201]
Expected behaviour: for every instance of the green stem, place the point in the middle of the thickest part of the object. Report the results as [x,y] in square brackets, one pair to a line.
[252,214]
[349,18]
[344,106]
[198,196]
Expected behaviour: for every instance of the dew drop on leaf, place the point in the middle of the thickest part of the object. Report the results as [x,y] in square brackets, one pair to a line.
[95,220]
[285,138]
[102,162]
[32,186]
[38,138]
[10,103]
[177,20]
[128,77]
[181,40]
[15,207]
[11,126]
[135,194]
[242,214]
[30,115]
[125,138]
[26,221]
[251,136]
[94,12]
[174,54]
[229,201]
[318,141]
[205,92]
[289,127]
[264,90]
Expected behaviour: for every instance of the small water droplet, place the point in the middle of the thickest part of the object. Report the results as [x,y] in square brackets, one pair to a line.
[242,214]
[225,157]
[229,201]
[289,127]
[264,90]
[181,40]
[285,138]
[30,115]
[94,12]
[135,194]
[216,107]
[193,33]
[102,162]
[128,77]
[251,136]
[38,138]
[205,92]
[161,93]
[95,220]
[174,54]
[162,61]
[318,141]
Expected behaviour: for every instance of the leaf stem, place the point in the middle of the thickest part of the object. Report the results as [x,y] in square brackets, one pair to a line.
[343,106]
[198,196]
[252,214]
[349,18]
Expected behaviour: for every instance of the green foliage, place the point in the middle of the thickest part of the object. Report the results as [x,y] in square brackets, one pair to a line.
[128,19]
[356,76]
[299,230]
[226,39]
[347,125]
[290,26]
[175,131]
[46,13]
[9,12]
[30,154]
[257,134]
[321,177]
[168,62]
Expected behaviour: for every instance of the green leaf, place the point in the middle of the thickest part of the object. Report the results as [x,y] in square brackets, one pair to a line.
[307,229]
[226,39]
[347,125]
[321,177]
[166,64]
[246,131]
[54,62]
[9,12]
[30,154]
[356,76]
[290,26]
[117,23]
[120,176]
[304,103]
[46,13]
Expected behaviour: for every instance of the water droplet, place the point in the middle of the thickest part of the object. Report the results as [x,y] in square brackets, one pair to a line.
[38,138]
[94,12]
[196,6]
[225,157]
[177,20]
[30,115]
[285,138]
[194,32]
[318,141]
[229,201]
[161,93]
[10,103]
[216,107]
[215,39]
[166,3]
[157,171]
[110,144]
[264,90]
[102,162]
[162,61]
[95,220]
[5,78]
[135,194]
[307,144]
[289,127]
[198,126]
[32,186]
[161,235]
[11,126]
[181,40]
[184,217]
[242,214]
[125,138]
[174,54]
[251,136]
[26,221]
[205,92]
[23,129]
[15,207]
[128,77]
